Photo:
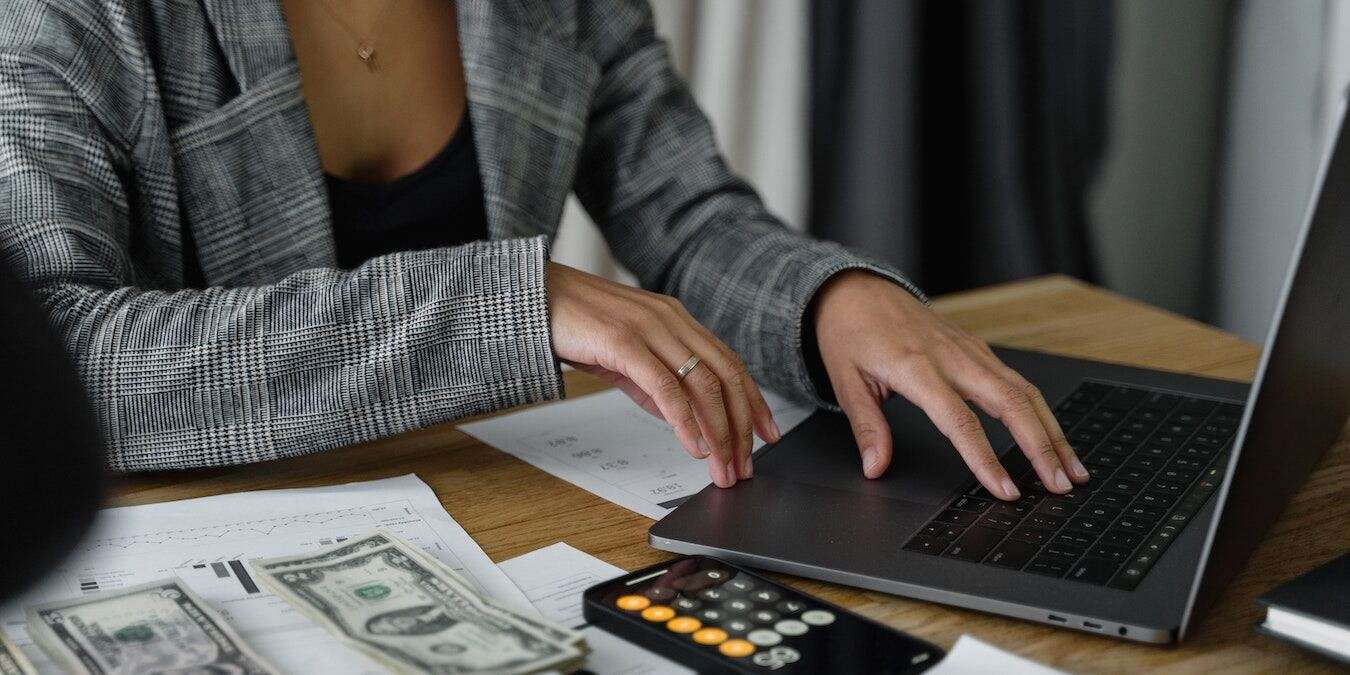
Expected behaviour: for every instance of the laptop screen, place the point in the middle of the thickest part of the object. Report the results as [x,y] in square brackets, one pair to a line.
[1301,395]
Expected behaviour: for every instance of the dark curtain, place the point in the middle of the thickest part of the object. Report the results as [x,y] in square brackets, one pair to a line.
[958,139]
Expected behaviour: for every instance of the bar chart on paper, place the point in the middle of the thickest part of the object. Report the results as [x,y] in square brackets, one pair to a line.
[208,542]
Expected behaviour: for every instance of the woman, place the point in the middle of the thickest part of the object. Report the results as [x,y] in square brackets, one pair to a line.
[269,227]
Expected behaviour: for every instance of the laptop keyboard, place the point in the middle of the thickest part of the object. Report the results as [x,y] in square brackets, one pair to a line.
[1155,459]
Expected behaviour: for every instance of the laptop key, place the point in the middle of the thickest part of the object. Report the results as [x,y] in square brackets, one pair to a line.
[1129,578]
[1179,474]
[1156,499]
[996,522]
[1100,510]
[1095,571]
[1075,540]
[1105,459]
[1051,567]
[1133,525]
[1012,554]
[1110,499]
[1142,512]
[1121,538]
[1064,551]
[940,531]
[1124,487]
[1031,535]
[1133,473]
[1010,509]
[1055,507]
[958,518]
[1145,462]
[1157,401]
[1123,399]
[1109,552]
[1044,520]
[972,504]
[1086,525]
[929,545]
[975,544]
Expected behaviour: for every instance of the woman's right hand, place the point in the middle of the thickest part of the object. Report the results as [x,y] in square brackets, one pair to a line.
[637,340]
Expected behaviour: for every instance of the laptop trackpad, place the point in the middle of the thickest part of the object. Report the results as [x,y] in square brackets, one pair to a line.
[925,468]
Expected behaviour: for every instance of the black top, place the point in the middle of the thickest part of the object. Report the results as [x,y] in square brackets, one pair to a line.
[440,204]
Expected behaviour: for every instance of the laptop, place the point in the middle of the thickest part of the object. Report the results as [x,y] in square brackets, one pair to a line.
[1188,473]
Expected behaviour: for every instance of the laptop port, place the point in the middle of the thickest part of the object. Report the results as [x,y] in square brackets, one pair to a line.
[1060,619]
[1093,626]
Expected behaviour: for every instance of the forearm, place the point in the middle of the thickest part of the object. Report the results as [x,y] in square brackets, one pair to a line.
[321,359]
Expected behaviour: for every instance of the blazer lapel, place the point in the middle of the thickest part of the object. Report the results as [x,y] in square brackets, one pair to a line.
[529,96]
[249,174]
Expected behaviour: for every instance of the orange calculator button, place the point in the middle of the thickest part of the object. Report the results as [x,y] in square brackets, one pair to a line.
[633,603]
[736,648]
[684,624]
[658,613]
[710,636]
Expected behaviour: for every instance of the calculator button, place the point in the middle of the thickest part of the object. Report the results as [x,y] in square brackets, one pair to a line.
[791,627]
[684,624]
[768,661]
[633,603]
[765,596]
[687,604]
[710,636]
[764,616]
[741,585]
[736,648]
[738,605]
[715,575]
[660,593]
[818,617]
[763,637]
[737,625]
[790,606]
[786,654]
[712,615]
[658,613]
[713,594]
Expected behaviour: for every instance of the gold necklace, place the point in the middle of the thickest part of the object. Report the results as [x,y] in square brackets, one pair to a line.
[365,45]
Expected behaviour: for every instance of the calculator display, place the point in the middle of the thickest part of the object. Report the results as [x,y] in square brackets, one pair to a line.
[757,623]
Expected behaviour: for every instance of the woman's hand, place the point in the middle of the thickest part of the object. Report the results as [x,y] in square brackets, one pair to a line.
[875,339]
[637,340]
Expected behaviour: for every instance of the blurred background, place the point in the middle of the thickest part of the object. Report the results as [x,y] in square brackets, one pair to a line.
[1164,149]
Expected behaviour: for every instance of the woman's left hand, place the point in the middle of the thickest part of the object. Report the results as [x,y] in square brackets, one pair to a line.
[877,339]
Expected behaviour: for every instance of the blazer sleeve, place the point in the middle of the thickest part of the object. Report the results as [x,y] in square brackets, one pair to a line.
[319,359]
[674,213]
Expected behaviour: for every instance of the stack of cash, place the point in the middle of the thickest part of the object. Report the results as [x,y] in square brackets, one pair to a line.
[409,612]
[152,628]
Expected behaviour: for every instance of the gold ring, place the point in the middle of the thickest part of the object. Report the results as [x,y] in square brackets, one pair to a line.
[689,365]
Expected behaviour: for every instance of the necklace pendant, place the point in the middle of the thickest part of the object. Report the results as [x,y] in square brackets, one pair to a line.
[366,53]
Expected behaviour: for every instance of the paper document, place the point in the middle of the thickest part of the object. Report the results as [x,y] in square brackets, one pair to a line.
[972,656]
[207,543]
[553,578]
[604,443]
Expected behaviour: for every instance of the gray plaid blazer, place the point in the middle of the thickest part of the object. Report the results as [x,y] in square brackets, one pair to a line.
[132,129]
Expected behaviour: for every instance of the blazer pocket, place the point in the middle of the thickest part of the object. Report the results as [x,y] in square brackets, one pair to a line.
[251,188]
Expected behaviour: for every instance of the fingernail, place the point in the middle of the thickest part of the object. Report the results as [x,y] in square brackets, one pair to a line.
[777,435]
[1062,481]
[870,459]
[1010,489]
[747,467]
[731,472]
[1078,469]
[703,448]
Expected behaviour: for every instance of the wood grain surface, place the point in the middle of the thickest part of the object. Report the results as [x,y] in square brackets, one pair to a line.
[510,507]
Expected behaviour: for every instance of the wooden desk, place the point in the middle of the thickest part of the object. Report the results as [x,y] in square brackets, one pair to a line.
[497,498]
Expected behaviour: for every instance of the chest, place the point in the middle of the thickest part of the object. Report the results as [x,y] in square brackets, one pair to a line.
[383,82]
[231,155]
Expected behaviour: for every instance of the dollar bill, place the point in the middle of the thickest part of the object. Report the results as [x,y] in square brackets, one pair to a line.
[152,628]
[12,661]
[388,599]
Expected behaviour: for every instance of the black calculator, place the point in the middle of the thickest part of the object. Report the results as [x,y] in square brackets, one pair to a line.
[715,617]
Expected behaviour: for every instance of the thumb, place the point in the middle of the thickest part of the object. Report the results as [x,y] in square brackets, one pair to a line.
[870,429]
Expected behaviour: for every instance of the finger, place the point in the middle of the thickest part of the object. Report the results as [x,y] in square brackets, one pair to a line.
[731,367]
[637,363]
[627,386]
[921,383]
[870,429]
[736,391]
[726,434]
[1067,457]
[1013,406]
